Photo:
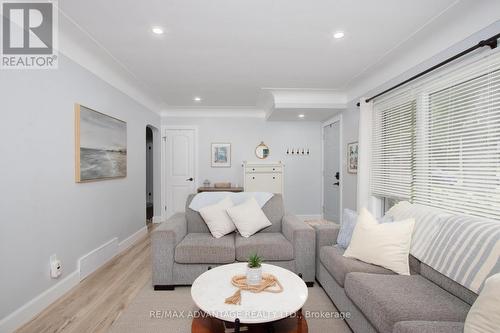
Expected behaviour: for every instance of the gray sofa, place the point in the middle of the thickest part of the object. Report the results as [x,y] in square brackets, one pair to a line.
[379,300]
[183,247]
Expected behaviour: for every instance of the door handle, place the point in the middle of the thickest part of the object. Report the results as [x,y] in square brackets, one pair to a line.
[337,183]
[190,179]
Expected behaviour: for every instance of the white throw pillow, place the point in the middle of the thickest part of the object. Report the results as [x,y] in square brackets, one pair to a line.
[484,315]
[216,218]
[248,217]
[386,245]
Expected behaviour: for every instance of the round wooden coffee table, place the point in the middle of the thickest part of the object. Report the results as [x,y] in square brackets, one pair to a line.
[261,312]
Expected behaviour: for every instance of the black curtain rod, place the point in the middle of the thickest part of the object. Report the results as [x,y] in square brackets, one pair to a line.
[492,42]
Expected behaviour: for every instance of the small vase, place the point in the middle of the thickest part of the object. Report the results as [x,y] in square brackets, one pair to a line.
[254,276]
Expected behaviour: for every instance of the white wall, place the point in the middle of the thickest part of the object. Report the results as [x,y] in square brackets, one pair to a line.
[42,210]
[350,120]
[464,25]
[302,173]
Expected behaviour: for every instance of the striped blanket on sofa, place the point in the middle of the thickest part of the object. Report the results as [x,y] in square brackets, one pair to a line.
[464,248]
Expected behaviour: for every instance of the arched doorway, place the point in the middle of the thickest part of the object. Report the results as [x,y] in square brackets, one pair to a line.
[149,175]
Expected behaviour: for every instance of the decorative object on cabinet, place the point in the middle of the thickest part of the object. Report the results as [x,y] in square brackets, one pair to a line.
[222,184]
[206,183]
[263,177]
[220,189]
[262,151]
[100,144]
[221,155]
[352,157]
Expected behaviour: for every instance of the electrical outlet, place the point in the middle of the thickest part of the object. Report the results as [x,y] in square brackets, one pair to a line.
[55,267]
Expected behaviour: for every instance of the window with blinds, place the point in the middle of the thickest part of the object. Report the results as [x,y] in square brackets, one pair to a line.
[392,150]
[458,162]
[437,142]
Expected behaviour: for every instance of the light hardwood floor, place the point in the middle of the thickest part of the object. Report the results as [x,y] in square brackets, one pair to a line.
[96,303]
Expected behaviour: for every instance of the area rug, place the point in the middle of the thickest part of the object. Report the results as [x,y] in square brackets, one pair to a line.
[171,311]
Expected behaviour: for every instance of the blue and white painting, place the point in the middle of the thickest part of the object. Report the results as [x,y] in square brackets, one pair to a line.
[221,155]
[101,146]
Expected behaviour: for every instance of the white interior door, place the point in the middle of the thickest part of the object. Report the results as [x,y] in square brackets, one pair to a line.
[331,172]
[179,168]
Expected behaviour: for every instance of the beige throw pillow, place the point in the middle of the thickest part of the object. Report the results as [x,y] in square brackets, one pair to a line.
[386,244]
[248,217]
[484,315]
[216,218]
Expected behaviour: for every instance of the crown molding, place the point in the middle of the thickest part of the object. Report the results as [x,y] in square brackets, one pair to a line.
[79,46]
[283,104]
[304,98]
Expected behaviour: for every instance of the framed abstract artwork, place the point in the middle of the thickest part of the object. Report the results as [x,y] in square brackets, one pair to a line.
[352,157]
[100,146]
[221,155]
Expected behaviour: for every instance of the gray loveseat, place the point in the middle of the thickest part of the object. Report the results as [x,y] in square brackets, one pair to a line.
[379,300]
[183,247]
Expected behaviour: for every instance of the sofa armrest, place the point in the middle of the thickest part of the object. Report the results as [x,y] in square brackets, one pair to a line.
[164,239]
[302,237]
[326,235]
[428,326]
[176,225]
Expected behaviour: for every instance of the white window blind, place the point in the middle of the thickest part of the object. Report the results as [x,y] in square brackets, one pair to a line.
[437,142]
[458,146]
[392,150]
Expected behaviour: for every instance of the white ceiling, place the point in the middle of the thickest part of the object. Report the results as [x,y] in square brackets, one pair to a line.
[226,51]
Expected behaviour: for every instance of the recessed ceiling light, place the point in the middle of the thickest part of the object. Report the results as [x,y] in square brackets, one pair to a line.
[157,30]
[338,35]
[197,99]
[301,116]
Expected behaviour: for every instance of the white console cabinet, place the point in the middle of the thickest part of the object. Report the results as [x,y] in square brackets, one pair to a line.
[263,177]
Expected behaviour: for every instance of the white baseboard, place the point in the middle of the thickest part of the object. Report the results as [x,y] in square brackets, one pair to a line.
[29,310]
[90,262]
[129,241]
[310,217]
[158,219]
[87,264]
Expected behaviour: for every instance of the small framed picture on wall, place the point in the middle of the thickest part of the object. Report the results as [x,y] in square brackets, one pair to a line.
[352,157]
[221,155]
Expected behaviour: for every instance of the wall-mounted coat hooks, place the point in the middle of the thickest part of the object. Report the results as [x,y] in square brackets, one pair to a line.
[298,151]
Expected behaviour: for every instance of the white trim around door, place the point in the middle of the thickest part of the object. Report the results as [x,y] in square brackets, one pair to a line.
[165,214]
[337,118]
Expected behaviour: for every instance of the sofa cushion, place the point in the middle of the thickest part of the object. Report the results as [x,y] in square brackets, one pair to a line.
[216,218]
[195,222]
[386,244]
[273,210]
[248,217]
[388,299]
[466,295]
[271,246]
[332,257]
[203,248]
[428,327]
[484,316]
[349,221]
